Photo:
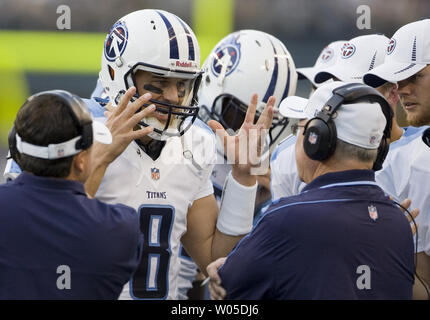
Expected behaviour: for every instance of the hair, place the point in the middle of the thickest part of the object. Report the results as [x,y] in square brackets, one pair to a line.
[350,151]
[42,121]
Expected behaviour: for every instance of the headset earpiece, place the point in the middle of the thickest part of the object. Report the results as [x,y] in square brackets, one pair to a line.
[320,139]
[14,154]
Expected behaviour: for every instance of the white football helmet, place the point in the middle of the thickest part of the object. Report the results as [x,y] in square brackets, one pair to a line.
[243,63]
[161,43]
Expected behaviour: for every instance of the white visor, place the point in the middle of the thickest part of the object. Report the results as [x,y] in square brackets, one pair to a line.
[64,149]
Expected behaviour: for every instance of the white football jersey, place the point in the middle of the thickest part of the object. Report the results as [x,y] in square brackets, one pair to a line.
[406,174]
[188,269]
[284,178]
[161,191]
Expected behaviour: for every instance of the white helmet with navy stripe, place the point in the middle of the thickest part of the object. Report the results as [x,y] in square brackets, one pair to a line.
[243,63]
[158,42]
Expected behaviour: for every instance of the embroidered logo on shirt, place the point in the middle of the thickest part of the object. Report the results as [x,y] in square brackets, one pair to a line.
[373,213]
[155,173]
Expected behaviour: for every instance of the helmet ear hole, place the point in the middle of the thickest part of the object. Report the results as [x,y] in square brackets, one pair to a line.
[207,80]
[111,73]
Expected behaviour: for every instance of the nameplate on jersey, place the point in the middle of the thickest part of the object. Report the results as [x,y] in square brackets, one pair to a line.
[156,194]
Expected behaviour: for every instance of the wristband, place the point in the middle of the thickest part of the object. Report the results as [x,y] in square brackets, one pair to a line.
[237,207]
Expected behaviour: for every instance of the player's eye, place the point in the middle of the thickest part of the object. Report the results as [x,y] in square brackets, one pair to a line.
[180,86]
[152,88]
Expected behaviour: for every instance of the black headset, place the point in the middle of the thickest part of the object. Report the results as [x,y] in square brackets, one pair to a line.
[77,110]
[320,132]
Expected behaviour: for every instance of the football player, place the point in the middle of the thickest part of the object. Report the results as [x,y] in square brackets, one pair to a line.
[166,176]
[406,171]
[242,63]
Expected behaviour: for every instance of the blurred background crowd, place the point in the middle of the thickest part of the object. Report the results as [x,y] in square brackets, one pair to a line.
[35,55]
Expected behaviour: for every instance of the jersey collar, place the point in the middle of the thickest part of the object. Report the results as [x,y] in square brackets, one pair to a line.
[345,178]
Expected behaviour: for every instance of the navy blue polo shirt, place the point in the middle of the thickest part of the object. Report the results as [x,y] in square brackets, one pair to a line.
[341,238]
[48,225]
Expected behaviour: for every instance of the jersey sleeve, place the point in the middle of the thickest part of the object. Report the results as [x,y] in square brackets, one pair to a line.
[284,180]
[12,170]
[393,178]
[201,140]
[206,190]
[246,274]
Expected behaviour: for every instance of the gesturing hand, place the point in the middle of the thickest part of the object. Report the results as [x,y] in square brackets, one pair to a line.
[121,120]
[243,149]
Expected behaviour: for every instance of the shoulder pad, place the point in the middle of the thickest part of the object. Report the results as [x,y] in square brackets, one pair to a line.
[96,109]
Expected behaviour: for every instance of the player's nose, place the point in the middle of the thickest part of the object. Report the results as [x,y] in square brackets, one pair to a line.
[171,93]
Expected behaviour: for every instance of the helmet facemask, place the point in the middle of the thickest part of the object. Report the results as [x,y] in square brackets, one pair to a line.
[230,112]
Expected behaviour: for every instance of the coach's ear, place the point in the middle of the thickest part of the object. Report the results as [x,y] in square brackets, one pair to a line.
[80,168]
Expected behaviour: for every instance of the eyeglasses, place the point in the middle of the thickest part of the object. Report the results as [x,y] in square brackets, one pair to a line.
[295,128]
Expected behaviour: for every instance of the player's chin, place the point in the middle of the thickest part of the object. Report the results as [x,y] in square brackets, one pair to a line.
[416,117]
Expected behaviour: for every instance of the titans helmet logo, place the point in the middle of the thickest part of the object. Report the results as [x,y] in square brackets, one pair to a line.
[227,56]
[116,41]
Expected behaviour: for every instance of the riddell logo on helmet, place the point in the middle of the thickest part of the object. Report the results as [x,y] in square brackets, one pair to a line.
[184,64]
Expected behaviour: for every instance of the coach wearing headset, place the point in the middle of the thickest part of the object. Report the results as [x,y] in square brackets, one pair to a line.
[55,242]
[341,237]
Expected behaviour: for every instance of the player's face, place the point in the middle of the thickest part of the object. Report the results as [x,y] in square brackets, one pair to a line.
[169,90]
[305,166]
[415,97]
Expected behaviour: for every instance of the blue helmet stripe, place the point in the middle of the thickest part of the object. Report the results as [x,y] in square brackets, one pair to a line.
[287,86]
[191,55]
[272,85]
[174,52]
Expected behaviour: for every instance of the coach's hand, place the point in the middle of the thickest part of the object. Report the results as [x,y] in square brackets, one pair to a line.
[414,213]
[243,150]
[121,120]
[216,291]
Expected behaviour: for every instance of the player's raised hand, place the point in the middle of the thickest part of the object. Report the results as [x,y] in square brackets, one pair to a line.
[122,120]
[243,150]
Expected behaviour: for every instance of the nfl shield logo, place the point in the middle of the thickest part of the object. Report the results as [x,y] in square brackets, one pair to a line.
[313,137]
[155,173]
[373,213]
